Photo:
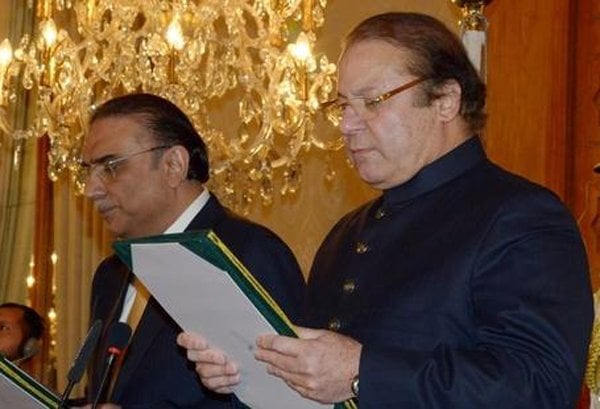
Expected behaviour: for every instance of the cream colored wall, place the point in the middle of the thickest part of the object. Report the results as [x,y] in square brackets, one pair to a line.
[303,220]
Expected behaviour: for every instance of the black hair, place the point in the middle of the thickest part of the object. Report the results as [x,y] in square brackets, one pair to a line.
[34,322]
[168,124]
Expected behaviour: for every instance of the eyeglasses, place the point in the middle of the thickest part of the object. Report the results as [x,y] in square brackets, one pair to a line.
[106,169]
[366,108]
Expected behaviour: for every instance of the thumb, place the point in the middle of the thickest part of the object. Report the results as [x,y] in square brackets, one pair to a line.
[309,333]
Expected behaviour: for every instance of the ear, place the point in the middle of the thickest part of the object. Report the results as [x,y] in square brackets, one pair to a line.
[448,102]
[176,163]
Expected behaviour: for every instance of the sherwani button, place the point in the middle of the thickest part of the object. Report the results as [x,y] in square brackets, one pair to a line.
[334,324]
[361,247]
[349,286]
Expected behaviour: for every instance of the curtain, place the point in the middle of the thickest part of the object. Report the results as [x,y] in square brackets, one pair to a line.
[17,181]
[17,199]
[81,242]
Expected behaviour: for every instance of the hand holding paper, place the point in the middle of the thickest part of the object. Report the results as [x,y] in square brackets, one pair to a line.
[216,370]
[232,311]
[320,365]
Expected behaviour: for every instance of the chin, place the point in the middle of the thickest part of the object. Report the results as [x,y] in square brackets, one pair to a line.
[116,232]
[369,178]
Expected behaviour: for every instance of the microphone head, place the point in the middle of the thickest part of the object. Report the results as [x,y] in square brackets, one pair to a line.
[85,352]
[118,337]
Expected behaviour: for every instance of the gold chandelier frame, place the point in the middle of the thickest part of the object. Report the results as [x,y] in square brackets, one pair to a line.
[243,71]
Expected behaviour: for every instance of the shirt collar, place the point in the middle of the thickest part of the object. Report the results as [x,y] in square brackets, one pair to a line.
[192,210]
[437,173]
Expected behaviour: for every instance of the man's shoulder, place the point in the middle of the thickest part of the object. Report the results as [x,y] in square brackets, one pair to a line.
[237,224]
[501,182]
[241,234]
[111,262]
[109,269]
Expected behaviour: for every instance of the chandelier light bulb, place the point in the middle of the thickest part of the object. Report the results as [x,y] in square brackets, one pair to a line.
[49,32]
[174,34]
[301,49]
[5,54]
[5,58]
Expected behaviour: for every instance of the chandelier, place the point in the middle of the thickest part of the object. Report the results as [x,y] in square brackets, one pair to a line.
[248,62]
[473,31]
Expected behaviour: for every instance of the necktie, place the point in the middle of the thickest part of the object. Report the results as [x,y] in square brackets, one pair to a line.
[139,304]
[142,295]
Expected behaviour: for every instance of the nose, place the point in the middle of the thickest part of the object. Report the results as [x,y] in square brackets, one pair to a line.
[351,120]
[94,188]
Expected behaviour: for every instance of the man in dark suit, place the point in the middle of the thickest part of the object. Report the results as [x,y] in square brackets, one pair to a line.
[462,285]
[144,166]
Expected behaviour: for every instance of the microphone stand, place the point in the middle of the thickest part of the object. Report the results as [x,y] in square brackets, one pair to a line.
[113,353]
[81,360]
[118,339]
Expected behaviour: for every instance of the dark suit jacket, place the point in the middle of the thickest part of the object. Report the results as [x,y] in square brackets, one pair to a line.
[468,287]
[155,372]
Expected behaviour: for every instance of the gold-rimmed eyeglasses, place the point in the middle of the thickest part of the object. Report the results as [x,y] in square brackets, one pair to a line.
[365,107]
[106,168]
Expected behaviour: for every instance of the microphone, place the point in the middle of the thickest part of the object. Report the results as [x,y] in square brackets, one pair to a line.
[81,360]
[118,338]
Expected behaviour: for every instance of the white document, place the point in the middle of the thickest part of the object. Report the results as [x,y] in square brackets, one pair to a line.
[202,298]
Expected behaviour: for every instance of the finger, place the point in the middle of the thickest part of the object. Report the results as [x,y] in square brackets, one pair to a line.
[305,387]
[207,370]
[296,381]
[207,356]
[192,340]
[221,384]
[279,361]
[309,333]
[283,345]
[266,341]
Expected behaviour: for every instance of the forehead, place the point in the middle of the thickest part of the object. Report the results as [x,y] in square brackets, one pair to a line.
[115,135]
[11,315]
[371,64]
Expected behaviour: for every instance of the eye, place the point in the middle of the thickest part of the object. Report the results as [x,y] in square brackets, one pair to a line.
[342,105]
[110,166]
[373,103]
[85,169]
